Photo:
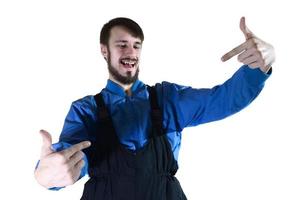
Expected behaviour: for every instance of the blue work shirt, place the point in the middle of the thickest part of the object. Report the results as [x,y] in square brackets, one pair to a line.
[181,106]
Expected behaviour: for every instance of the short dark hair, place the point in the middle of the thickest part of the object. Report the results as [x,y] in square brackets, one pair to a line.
[134,29]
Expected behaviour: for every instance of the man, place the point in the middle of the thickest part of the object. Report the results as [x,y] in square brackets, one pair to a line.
[128,136]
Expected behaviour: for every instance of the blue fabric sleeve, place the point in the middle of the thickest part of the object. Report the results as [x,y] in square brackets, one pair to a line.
[185,106]
[79,121]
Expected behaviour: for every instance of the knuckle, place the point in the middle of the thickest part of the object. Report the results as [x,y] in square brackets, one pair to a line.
[239,59]
[82,154]
[252,42]
[81,164]
[78,155]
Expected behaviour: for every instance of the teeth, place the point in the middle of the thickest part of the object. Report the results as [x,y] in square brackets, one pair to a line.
[128,62]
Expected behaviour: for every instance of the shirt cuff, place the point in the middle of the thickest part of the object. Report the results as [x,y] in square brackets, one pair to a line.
[255,77]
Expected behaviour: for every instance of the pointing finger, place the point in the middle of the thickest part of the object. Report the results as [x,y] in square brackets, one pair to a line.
[75,148]
[247,44]
[247,54]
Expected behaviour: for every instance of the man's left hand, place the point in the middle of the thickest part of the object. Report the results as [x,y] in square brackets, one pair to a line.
[254,52]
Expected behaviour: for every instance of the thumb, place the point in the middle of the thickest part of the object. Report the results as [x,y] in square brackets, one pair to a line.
[247,33]
[47,142]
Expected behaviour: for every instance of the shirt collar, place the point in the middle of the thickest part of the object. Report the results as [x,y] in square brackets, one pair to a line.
[117,89]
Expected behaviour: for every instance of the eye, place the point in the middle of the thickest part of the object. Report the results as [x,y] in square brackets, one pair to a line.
[122,46]
[137,46]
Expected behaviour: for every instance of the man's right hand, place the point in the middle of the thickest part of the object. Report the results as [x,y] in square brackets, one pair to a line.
[62,168]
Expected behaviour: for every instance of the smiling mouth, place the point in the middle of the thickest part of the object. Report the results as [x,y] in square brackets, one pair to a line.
[128,62]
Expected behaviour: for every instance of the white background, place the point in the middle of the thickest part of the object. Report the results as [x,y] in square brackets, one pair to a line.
[49,57]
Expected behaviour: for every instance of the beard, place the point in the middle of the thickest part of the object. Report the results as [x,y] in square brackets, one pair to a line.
[128,79]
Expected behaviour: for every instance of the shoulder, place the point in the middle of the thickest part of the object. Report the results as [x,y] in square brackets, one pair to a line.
[169,88]
[84,104]
[169,93]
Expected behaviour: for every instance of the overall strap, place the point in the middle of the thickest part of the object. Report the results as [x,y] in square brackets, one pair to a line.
[156,114]
[101,107]
[106,139]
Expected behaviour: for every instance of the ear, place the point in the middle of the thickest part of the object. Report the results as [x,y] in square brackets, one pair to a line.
[104,51]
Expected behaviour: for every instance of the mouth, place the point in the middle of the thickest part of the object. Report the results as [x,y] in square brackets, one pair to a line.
[128,62]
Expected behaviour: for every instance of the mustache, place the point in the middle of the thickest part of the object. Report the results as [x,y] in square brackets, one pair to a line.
[129,58]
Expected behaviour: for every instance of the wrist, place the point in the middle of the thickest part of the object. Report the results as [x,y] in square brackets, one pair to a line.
[266,69]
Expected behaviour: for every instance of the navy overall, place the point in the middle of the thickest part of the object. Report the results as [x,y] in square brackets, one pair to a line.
[117,173]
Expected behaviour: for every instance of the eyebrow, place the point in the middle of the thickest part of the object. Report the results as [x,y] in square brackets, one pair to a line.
[126,41]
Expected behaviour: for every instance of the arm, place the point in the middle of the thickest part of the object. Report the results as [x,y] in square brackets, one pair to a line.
[186,106]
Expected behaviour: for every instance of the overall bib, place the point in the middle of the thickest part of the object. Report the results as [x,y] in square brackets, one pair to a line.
[117,173]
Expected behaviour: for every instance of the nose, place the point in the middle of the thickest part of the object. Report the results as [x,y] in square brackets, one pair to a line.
[131,51]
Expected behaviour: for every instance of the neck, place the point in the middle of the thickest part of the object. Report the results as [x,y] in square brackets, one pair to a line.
[126,87]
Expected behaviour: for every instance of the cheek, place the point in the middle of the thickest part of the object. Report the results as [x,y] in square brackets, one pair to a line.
[114,59]
[115,55]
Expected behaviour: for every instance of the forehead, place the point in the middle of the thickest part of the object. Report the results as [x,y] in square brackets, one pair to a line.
[122,33]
